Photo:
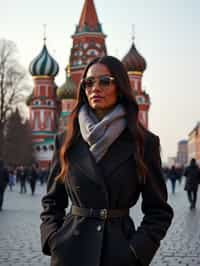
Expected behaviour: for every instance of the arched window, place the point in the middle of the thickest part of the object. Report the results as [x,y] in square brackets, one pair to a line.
[37,102]
[45,148]
[49,102]
[37,148]
[92,52]
[51,147]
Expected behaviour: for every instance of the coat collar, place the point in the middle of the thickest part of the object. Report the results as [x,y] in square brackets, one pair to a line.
[80,157]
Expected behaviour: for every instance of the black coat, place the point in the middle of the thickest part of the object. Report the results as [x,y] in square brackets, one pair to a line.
[192,174]
[113,184]
[4,178]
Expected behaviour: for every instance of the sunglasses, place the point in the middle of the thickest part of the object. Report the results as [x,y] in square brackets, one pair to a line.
[103,82]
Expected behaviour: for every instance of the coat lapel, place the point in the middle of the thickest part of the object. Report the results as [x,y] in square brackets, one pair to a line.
[80,157]
[119,152]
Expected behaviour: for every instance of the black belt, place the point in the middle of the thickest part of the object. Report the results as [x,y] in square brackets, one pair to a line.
[98,213]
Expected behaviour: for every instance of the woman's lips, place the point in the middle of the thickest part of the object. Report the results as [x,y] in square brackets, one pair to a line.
[96,98]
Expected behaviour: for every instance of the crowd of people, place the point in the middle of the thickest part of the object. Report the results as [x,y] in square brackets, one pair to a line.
[24,176]
[10,176]
[191,176]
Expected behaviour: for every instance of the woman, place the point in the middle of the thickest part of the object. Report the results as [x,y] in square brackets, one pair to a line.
[103,164]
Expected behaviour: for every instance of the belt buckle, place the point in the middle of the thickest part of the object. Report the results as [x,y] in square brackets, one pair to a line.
[104,214]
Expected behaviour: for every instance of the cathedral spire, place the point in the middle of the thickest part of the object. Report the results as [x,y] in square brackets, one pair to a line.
[89,21]
[88,15]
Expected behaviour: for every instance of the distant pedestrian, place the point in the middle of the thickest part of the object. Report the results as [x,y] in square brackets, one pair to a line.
[173,177]
[192,174]
[11,179]
[42,175]
[4,179]
[21,176]
[32,178]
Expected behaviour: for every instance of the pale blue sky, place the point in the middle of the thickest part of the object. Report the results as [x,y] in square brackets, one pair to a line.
[167,35]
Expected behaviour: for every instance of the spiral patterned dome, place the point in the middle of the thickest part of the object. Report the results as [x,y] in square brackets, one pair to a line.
[133,61]
[44,64]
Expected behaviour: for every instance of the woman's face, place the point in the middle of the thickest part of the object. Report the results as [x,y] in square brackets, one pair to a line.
[100,89]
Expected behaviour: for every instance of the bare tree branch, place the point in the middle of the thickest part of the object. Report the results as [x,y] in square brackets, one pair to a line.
[13,81]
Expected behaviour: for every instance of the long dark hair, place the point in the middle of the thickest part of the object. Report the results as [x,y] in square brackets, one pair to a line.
[126,98]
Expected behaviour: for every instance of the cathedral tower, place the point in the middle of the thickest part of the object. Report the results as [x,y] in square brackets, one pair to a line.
[135,65]
[88,41]
[44,106]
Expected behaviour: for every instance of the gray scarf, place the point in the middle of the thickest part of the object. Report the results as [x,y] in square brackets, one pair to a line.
[101,134]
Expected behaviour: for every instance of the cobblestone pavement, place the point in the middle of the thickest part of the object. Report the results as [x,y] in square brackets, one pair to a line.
[20,239]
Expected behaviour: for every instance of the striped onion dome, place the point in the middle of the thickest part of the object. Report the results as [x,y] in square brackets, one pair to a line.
[133,61]
[44,64]
[69,89]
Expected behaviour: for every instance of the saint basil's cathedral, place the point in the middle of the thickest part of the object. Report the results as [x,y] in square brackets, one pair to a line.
[50,104]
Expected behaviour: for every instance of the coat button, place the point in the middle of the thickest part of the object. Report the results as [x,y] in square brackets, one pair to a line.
[99,228]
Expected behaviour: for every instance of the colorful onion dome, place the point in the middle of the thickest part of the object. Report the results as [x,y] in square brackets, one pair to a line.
[68,89]
[44,64]
[133,61]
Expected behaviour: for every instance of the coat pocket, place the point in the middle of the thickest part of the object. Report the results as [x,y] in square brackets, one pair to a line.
[133,256]
[62,232]
[130,255]
[117,251]
[128,229]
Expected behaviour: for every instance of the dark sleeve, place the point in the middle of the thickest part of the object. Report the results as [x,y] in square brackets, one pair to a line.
[157,213]
[53,203]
